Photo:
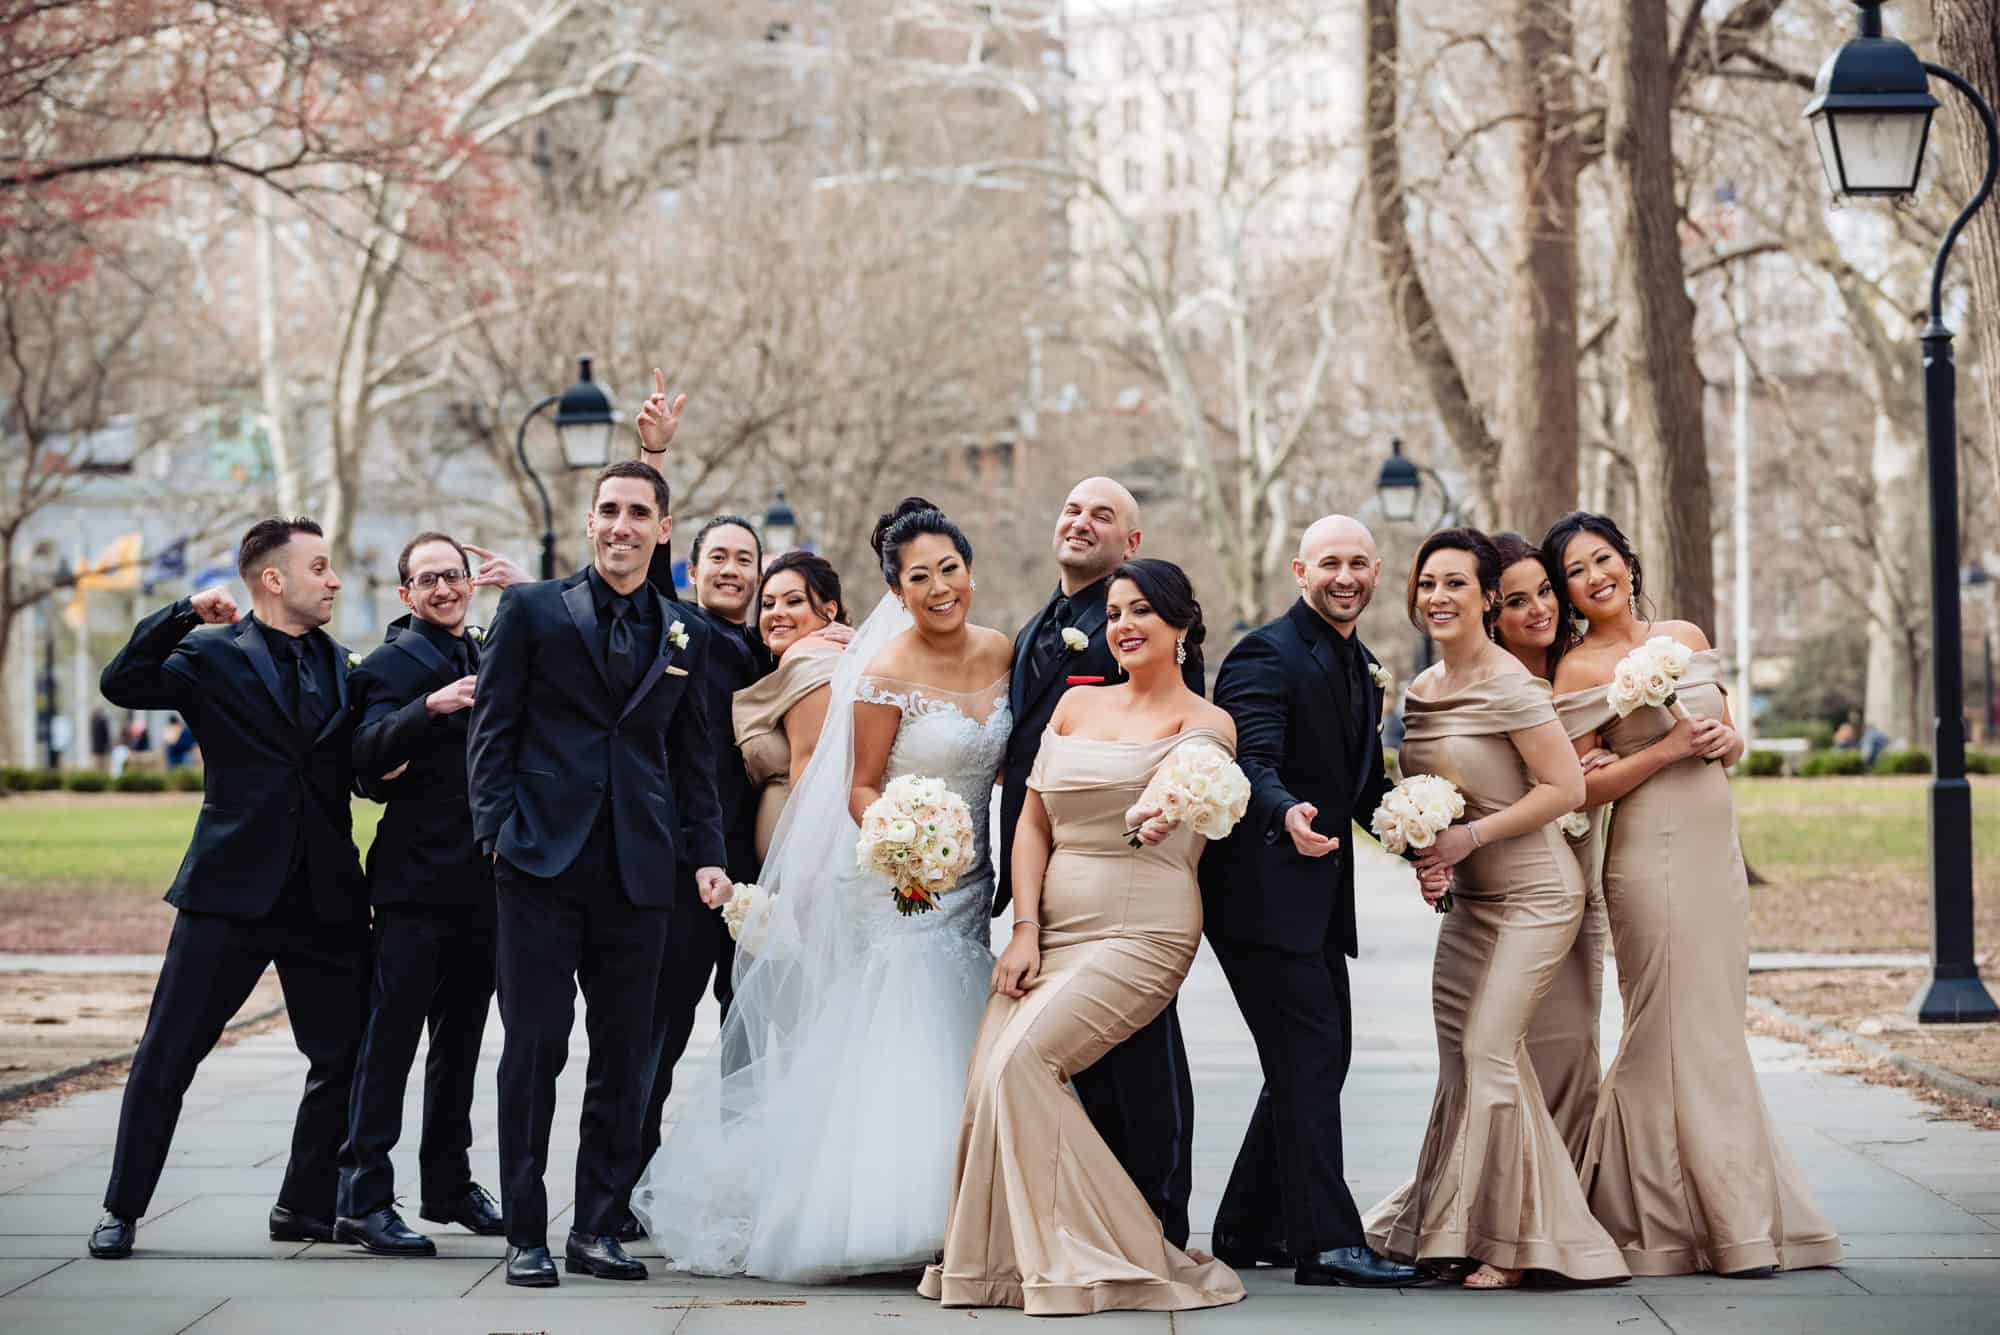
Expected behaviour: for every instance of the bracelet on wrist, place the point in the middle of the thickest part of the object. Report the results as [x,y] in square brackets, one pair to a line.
[1473,830]
[1027,922]
[647,449]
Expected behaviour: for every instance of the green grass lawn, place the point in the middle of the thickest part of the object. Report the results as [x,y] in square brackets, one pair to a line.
[109,841]
[1803,825]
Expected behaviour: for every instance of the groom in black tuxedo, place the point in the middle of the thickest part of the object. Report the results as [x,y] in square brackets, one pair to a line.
[1139,1095]
[592,776]
[271,875]
[433,894]
[1278,908]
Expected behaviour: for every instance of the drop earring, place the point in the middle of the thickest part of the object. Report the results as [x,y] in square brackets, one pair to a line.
[1180,650]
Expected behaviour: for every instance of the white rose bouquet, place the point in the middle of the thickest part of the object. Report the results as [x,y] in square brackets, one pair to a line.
[748,915]
[1197,785]
[1650,676]
[919,835]
[1576,825]
[1414,813]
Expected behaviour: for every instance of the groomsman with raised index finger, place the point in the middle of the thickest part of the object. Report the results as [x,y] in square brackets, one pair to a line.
[1139,1096]
[433,896]
[271,874]
[592,778]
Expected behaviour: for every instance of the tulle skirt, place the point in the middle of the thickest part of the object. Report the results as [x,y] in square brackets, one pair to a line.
[838,1158]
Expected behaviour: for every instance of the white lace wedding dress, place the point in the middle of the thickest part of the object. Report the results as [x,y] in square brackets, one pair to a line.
[826,1147]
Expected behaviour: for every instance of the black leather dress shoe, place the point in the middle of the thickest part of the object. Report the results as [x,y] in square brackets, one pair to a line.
[531,1268]
[1754,1272]
[475,1211]
[384,1233]
[1242,1253]
[291,1226]
[631,1230]
[112,1238]
[600,1257]
[1354,1267]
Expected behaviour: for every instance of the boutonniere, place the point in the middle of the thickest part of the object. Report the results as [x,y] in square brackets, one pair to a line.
[478,634]
[677,635]
[1075,640]
[1379,675]
[354,660]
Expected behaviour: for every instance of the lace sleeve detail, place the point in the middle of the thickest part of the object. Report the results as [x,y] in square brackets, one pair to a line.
[916,700]
[885,691]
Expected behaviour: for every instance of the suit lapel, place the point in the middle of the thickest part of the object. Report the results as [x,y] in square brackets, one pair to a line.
[659,664]
[418,646]
[250,639]
[340,687]
[1090,622]
[1373,711]
[1024,657]
[583,615]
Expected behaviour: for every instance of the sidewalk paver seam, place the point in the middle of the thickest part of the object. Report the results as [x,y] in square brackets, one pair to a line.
[37,1277]
[203,1317]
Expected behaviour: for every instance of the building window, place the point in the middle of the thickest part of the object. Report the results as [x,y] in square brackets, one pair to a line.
[1135,178]
[1133,114]
[1167,51]
[1319,87]
[1281,95]
[1172,177]
[1135,59]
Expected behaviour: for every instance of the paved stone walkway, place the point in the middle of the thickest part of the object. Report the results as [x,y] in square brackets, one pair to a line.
[1918,1203]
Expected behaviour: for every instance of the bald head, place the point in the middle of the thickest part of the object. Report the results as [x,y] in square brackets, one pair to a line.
[1097,529]
[1337,567]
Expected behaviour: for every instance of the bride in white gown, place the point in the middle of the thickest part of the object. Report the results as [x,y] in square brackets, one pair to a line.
[826,1150]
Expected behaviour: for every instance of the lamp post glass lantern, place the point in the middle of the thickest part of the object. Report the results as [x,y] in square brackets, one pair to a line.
[1398,486]
[1871,116]
[781,527]
[584,426]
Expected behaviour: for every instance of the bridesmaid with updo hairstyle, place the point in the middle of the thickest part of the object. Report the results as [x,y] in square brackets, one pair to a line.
[1683,1166]
[778,718]
[1495,1193]
[1563,1038]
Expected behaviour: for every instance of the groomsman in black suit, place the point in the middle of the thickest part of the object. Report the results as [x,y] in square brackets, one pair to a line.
[271,875]
[433,894]
[1139,1096]
[1278,908]
[592,776]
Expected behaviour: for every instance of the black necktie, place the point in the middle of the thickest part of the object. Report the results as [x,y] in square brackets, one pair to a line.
[1049,647]
[310,703]
[1357,684]
[621,650]
[461,656]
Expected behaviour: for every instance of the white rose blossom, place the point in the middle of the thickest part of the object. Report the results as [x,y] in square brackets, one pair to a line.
[1075,640]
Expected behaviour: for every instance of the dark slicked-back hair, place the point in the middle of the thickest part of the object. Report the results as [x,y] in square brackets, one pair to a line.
[822,583]
[429,535]
[912,519]
[1555,545]
[266,538]
[1485,563]
[1171,593]
[663,495]
[1514,549]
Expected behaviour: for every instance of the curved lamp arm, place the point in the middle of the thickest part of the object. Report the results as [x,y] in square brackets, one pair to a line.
[1979,197]
[548,508]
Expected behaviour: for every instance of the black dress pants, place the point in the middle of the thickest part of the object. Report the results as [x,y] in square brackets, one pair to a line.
[698,946]
[1140,1098]
[1287,1189]
[434,967]
[557,933]
[212,965]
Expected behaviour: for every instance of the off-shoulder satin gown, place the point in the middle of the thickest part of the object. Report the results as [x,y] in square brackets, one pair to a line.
[1042,1217]
[1494,1179]
[1683,1166]
[757,714]
[1563,1037]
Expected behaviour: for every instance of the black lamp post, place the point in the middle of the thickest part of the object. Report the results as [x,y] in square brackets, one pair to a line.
[584,424]
[1399,487]
[51,570]
[1871,117]
[781,527]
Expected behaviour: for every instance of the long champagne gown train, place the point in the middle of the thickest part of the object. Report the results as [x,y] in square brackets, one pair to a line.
[1042,1217]
[1494,1179]
[1683,1165]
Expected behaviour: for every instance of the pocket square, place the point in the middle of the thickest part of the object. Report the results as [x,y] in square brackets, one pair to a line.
[673,671]
[1083,681]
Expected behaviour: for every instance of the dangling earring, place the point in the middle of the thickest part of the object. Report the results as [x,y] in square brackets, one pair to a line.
[1634,599]
[1180,650]
[974,581]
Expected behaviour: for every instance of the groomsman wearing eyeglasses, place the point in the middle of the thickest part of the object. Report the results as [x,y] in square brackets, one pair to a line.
[432,892]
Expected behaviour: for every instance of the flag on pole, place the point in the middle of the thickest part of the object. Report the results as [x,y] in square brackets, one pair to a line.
[116,569]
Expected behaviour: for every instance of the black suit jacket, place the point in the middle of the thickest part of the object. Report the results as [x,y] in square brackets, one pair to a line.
[1033,707]
[267,787]
[733,663]
[1297,741]
[549,746]
[424,852]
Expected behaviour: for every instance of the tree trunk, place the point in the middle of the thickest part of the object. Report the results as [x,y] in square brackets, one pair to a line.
[1655,335]
[1416,318]
[1898,615]
[1968,34]
[1539,425]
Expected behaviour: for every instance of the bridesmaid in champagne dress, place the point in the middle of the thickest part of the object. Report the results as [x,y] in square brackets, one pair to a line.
[1042,1217]
[1494,1180]
[1563,1036]
[1683,1167]
[777,720]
